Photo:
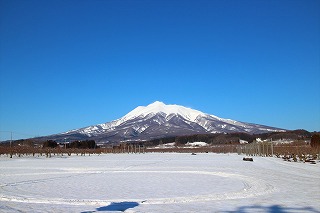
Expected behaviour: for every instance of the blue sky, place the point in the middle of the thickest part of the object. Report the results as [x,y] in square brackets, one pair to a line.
[70,64]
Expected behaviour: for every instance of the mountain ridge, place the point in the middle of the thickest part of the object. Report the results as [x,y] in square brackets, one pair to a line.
[158,120]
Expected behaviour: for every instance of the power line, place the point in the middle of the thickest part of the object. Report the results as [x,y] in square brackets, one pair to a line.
[14,133]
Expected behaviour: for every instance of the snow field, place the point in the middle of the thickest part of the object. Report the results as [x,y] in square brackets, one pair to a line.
[158,182]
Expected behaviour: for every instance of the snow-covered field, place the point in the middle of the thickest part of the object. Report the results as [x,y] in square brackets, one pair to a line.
[158,182]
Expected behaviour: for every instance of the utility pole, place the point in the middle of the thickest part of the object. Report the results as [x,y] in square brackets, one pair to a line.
[11,139]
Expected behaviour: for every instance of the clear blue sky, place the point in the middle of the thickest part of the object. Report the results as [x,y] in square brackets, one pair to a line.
[67,64]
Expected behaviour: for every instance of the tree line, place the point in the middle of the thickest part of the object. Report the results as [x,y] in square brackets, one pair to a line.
[86,144]
[231,138]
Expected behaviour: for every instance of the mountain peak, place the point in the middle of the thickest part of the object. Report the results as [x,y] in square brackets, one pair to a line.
[160,107]
[161,120]
[157,103]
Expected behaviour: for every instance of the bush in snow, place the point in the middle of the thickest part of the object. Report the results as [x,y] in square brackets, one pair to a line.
[315,141]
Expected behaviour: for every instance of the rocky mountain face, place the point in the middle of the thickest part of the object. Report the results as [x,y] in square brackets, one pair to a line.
[159,120]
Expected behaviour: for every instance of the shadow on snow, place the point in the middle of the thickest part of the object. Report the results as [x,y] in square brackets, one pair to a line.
[123,206]
[120,206]
[273,209]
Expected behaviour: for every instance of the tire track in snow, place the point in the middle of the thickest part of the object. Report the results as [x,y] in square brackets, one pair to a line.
[251,188]
[42,180]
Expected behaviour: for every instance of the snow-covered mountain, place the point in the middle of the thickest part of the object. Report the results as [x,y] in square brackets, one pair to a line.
[160,120]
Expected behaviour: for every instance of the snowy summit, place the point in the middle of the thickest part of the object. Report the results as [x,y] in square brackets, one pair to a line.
[158,120]
[160,107]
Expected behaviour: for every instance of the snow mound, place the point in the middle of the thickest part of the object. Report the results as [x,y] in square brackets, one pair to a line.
[196,144]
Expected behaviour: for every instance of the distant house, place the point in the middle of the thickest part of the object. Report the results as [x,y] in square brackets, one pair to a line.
[243,142]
